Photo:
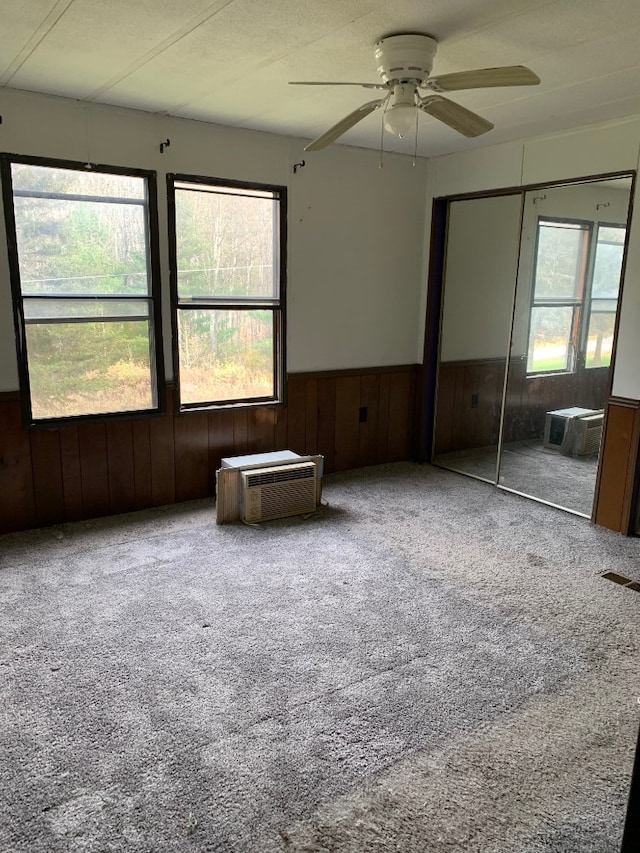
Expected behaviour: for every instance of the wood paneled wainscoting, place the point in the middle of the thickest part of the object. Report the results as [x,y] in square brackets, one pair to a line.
[618,482]
[470,399]
[353,418]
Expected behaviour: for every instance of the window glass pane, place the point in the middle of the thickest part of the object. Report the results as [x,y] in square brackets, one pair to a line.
[225,245]
[607,267]
[75,368]
[48,179]
[225,355]
[600,338]
[558,260]
[45,309]
[612,234]
[549,339]
[604,305]
[82,236]
[81,247]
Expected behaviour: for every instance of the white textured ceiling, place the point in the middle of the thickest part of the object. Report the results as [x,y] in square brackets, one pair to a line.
[229,61]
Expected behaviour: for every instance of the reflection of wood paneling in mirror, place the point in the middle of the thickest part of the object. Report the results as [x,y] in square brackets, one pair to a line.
[469,395]
[530,398]
[469,398]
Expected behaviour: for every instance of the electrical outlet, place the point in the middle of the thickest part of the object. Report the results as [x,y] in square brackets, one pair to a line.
[364,414]
[474,401]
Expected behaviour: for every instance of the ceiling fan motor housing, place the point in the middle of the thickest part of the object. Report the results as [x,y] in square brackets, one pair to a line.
[405,57]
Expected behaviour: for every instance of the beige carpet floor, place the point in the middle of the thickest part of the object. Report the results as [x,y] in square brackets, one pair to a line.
[427,664]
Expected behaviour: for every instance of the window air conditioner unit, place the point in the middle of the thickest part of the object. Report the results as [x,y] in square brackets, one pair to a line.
[266,486]
[278,492]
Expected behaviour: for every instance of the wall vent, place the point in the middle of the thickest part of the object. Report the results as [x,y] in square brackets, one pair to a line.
[628,583]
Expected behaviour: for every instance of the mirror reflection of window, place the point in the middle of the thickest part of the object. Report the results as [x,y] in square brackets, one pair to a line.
[607,272]
[558,289]
[574,300]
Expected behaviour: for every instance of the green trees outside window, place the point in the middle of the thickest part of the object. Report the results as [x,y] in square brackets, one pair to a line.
[81,268]
[228,270]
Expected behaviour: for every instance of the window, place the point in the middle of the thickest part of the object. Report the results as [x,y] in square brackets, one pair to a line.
[575,290]
[228,268]
[607,272]
[558,287]
[84,297]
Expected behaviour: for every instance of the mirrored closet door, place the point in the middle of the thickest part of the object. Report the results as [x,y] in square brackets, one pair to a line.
[481,264]
[530,299]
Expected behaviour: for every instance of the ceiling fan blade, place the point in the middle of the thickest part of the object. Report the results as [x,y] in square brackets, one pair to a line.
[457,117]
[507,75]
[343,126]
[320,83]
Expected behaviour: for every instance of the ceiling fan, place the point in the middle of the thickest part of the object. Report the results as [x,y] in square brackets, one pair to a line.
[404,64]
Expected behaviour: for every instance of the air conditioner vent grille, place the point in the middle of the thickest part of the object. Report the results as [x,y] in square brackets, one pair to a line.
[278,492]
[280,475]
[591,443]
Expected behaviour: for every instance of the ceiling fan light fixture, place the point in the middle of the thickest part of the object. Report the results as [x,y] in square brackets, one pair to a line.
[399,119]
[404,64]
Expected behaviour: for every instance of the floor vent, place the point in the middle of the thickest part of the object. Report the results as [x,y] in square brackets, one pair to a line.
[621,580]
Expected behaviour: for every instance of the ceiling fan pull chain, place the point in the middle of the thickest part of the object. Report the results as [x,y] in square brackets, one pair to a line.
[415,147]
[381,163]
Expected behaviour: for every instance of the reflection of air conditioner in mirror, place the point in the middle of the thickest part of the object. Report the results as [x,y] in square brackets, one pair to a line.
[587,433]
[574,431]
[266,486]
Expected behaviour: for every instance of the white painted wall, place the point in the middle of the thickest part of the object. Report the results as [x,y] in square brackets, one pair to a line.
[358,235]
[481,265]
[356,232]
[598,149]
[355,259]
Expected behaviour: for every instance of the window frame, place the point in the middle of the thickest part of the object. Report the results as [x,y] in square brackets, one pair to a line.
[153,295]
[589,299]
[584,271]
[278,306]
